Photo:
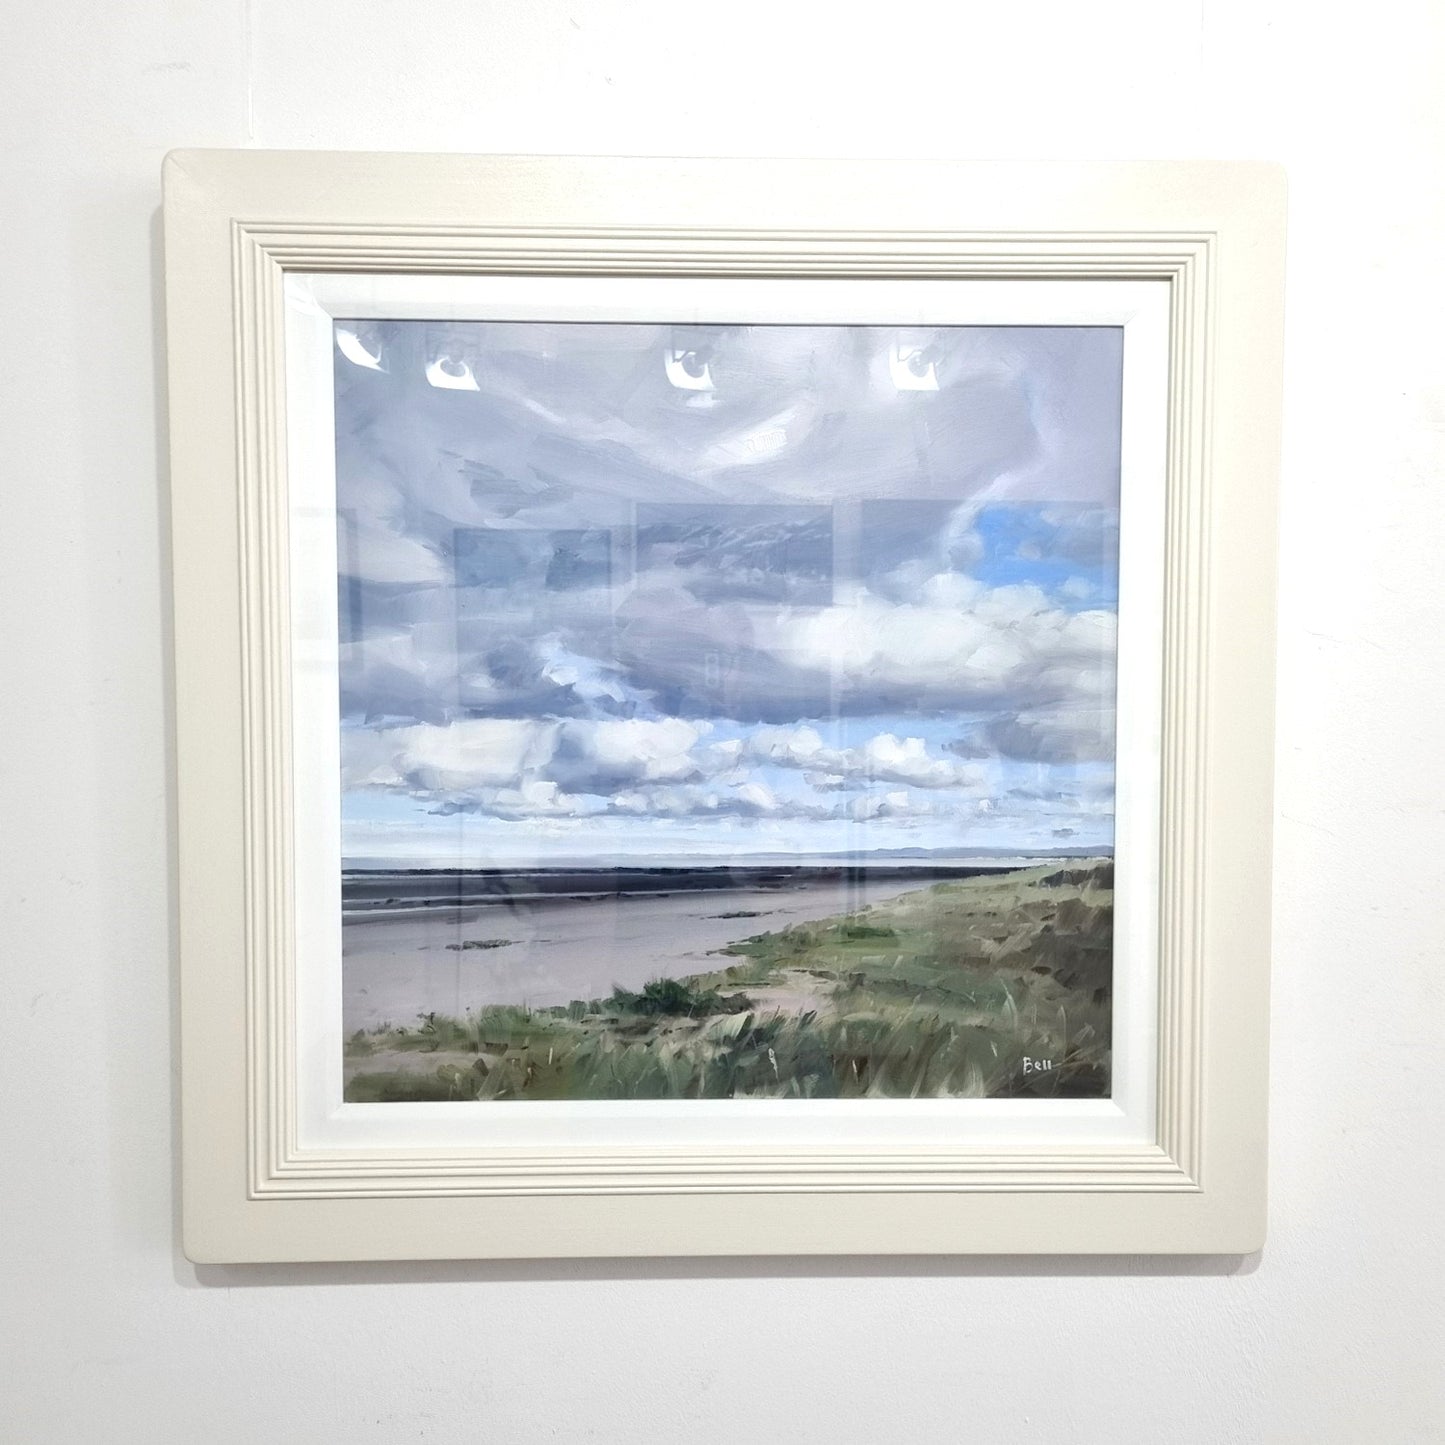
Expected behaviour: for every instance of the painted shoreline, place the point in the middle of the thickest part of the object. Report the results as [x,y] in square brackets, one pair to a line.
[991,986]
[402,963]
[368,891]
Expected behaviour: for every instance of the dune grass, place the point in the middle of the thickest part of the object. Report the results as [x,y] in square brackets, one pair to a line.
[989,987]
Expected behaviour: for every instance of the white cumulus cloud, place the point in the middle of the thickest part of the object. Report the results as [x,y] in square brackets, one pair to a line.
[884,758]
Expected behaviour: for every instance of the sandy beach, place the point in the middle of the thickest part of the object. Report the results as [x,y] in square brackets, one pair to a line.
[397,966]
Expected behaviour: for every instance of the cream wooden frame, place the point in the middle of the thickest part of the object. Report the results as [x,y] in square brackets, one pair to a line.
[237,222]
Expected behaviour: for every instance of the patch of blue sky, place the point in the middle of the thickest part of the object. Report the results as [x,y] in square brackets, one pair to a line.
[1070,554]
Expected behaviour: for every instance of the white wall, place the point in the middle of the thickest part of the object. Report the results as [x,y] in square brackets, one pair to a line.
[1334,1334]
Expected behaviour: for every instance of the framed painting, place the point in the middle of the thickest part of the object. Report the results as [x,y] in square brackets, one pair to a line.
[722,707]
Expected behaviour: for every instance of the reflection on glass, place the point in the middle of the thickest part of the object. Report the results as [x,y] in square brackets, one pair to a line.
[755,749]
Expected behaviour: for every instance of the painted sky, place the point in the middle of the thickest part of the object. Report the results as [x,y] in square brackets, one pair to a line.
[611,590]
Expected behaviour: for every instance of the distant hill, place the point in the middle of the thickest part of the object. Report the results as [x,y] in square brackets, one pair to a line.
[845,857]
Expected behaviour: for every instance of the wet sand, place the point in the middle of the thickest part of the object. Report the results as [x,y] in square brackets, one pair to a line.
[398,965]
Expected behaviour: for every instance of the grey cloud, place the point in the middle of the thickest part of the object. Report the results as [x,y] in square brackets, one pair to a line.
[491,567]
[740,553]
[570,422]
[593,404]
[454,654]
[1063,736]
[989,649]
[936,533]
